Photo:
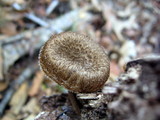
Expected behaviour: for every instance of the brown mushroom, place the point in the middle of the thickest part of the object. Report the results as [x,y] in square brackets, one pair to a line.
[75,61]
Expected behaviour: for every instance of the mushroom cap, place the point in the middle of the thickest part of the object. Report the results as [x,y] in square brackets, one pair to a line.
[75,61]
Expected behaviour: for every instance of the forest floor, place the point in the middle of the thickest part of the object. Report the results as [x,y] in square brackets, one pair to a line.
[127,30]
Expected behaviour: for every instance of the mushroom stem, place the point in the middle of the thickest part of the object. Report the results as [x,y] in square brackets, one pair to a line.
[74,102]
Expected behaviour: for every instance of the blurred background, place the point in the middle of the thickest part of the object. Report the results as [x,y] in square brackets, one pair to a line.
[126,29]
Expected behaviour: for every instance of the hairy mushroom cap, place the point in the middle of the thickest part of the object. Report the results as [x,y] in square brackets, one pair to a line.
[75,61]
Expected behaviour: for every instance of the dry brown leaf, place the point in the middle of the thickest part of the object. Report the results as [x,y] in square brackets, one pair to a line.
[9,116]
[8,29]
[19,98]
[29,106]
[38,79]
[3,86]
[10,2]
[30,117]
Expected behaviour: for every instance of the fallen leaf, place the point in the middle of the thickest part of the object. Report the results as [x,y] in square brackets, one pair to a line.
[19,98]
[9,116]
[29,106]
[8,29]
[38,79]
[3,86]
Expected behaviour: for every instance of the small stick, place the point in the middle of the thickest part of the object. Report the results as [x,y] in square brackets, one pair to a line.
[36,19]
[52,6]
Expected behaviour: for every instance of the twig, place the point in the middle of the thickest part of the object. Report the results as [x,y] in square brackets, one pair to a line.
[52,6]
[36,19]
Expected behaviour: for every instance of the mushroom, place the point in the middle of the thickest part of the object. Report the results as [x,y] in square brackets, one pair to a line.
[75,61]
